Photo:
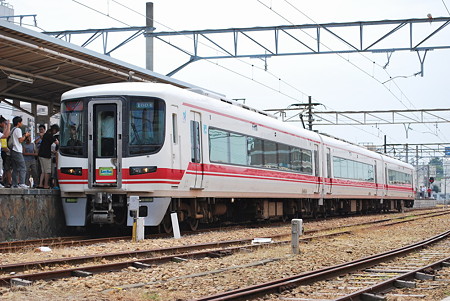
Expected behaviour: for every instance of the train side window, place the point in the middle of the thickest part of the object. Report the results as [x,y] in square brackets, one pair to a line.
[255,151]
[398,177]
[270,154]
[174,129]
[296,159]
[238,149]
[307,161]
[351,169]
[337,167]
[371,173]
[218,146]
[284,161]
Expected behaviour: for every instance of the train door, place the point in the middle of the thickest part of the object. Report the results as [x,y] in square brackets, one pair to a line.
[376,178]
[175,140]
[328,179]
[317,168]
[386,180]
[196,149]
[105,143]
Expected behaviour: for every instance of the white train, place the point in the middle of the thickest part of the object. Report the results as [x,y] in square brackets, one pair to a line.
[208,159]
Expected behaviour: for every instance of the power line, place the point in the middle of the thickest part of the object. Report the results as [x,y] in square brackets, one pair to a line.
[97,11]
[233,71]
[215,49]
[348,60]
[446,7]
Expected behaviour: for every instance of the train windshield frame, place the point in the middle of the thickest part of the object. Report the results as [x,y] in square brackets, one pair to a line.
[143,130]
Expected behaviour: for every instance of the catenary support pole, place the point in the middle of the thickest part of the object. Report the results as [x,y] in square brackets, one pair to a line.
[149,40]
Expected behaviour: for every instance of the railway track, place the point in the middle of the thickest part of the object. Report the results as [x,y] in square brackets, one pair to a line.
[15,246]
[33,270]
[361,279]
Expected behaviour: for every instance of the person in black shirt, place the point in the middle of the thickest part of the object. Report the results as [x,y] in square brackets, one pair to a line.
[45,155]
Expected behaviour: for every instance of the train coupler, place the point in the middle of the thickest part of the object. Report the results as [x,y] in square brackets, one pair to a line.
[102,217]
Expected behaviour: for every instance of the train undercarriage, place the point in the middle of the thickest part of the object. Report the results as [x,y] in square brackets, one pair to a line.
[104,209]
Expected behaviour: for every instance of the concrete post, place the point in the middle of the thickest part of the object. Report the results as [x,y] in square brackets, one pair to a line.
[133,206]
[140,228]
[297,230]
[175,225]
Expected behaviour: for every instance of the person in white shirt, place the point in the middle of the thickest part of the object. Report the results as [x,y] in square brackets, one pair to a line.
[18,163]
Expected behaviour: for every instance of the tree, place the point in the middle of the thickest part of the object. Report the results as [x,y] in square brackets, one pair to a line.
[436,188]
[438,162]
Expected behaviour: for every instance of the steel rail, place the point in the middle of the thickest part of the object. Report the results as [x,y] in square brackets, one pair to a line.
[11,246]
[322,274]
[153,260]
[4,281]
[178,249]
[389,284]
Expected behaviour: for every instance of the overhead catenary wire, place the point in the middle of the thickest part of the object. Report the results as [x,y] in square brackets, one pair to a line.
[237,73]
[225,68]
[347,59]
[443,2]
[278,78]
[383,68]
[231,70]
[253,66]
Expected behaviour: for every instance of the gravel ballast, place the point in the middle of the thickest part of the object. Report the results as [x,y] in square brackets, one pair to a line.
[195,278]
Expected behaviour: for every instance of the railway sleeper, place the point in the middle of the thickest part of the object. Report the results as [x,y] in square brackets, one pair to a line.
[404,284]
[372,297]
[141,265]
[220,253]
[20,282]
[81,273]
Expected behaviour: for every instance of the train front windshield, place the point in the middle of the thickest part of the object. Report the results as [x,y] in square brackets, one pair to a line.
[143,126]
[72,135]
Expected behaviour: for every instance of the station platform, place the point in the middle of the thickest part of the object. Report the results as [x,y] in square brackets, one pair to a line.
[30,213]
[425,203]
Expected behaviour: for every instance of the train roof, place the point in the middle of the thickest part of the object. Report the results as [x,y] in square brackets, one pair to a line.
[205,99]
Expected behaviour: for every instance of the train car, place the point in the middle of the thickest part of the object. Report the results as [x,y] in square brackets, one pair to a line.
[208,159]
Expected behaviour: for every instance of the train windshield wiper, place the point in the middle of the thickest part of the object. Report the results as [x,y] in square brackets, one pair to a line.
[136,134]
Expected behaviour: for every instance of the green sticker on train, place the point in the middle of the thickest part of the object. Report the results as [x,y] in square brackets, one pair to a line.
[105,171]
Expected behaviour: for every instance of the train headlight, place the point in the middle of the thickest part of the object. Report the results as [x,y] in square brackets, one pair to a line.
[139,170]
[74,171]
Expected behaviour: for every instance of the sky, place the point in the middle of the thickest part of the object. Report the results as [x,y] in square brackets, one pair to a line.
[339,83]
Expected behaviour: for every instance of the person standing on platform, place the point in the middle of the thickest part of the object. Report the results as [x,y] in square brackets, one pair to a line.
[17,160]
[30,156]
[5,128]
[45,155]
[37,143]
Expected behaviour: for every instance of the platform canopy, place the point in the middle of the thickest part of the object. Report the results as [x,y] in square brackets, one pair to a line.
[38,69]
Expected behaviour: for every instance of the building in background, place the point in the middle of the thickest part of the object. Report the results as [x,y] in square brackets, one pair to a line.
[6,10]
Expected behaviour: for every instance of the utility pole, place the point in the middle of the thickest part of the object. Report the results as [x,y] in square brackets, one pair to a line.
[310,116]
[149,40]
[417,169]
[407,159]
